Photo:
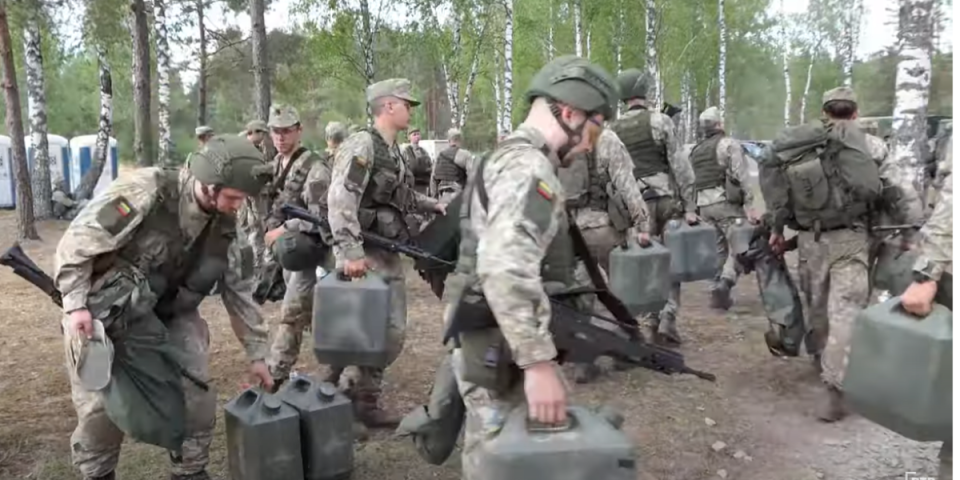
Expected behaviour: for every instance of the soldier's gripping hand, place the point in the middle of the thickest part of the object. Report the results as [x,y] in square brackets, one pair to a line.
[643,238]
[545,392]
[355,268]
[81,322]
[260,374]
[918,298]
[691,218]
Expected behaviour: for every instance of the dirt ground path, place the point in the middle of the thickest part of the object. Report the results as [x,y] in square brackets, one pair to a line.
[760,408]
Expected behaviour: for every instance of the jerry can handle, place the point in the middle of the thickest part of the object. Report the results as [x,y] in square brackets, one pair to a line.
[341,276]
[534,426]
[249,397]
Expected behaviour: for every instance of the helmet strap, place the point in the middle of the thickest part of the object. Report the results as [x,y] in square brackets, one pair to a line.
[573,137]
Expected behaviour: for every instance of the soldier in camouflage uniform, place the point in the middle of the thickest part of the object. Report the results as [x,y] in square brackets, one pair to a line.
[252,213]
[368,191]
[297,308]
[666,178]
[258,133]
[144,222]
[514,247]
[418,162]
[936,257]
[833,259]
[450,171]
[723,195]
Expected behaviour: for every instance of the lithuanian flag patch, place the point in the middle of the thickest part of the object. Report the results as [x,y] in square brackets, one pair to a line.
[124,208]
[544,190]
[115,215]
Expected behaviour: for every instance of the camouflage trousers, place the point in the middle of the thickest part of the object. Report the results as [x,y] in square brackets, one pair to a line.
[661,211]
[250,226]
[722,216]
[834,280]
[296,314]
[95,442]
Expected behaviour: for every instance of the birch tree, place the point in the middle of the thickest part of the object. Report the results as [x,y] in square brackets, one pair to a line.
[498,91]
[913,86]
[140,31]
[550,22]
[785,48]
[481,29]
[90,179]
[26,229]
[202,74]
[852,18]
[261,71]
[506,120]
[163,81]
[578,28]
[37,111]
[722,61]
[653,73]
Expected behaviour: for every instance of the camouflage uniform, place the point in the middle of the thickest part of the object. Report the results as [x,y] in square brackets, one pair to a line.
[253,213]
[368,192]
[718,163]
[419,163]
[649,137]
[451,169]
[296,310]
[143,238]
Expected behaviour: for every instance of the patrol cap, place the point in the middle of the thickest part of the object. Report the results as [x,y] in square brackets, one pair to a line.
[283,116]
[394,87]
[576,82]
[297,251]
[633,84]
[840,93]
[710,115]
[203,130]
[413,130]
[257,126]
[231,162]
[454,134]
[93,358]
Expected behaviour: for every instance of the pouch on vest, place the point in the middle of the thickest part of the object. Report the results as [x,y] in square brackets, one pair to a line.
[733,190]
[487,361]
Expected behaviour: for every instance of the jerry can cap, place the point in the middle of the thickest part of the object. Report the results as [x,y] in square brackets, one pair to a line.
[326,390]
[92,357]
[271,402]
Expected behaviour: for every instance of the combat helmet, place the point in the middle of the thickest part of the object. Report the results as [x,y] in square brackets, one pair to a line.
[633,84]
[231,162]
[576,82]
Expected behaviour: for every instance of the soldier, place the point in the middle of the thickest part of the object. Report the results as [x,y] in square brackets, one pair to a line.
[723,195]
[936,257]
[605,201]
[296,313]
[368,192]
[251,216]
[418,162]
[515,221]
[203,134]
[450,171]
[833,241]
[650,139]
[115,239]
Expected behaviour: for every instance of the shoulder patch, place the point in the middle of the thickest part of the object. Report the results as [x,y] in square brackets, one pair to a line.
[539,204]
[357,171]
[115,215]
[544,190]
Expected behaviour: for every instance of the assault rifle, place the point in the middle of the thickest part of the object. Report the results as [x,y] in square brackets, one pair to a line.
[578,336]
[24,268]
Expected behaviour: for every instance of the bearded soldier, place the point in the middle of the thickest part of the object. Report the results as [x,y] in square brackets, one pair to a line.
[418,162]
[515,221]
[666,178]
[723,195]
[450,171]
[368,191]
[121,248]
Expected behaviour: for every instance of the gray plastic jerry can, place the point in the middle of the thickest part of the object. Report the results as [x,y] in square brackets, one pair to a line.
[640,276]
[591,446]
[263,438]
[900,371]
[693,250]
[326,428]
[739,235]
[351,320]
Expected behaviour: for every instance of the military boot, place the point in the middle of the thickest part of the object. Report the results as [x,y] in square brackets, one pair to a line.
[201,475]
[367,410]
[585,372]
[833,408]
[109,476]
[720,298]
[667,330]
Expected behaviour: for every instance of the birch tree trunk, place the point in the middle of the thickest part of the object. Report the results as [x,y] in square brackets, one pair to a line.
[365,39]
[498,91]
[619,46]
[163,82]
[202,76]
[474,70]
[452,74]
[550,33]
[261,70]
[42,177]
[785,46]
[507,119]
[142,137]
[806,91]
[913,87]
[577,28]
[26,229]
[653,74]
[722,61]
[90,179]
[588,44]
[851,33]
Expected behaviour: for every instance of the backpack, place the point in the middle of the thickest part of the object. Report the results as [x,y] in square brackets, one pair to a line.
[823,174]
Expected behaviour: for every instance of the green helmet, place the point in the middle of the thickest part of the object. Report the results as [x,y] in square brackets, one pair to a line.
[297,251]
[633,84]
[576,82]
[232,162]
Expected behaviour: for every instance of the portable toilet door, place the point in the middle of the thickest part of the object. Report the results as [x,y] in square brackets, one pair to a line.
[59,148]
[83,149]
[7,193]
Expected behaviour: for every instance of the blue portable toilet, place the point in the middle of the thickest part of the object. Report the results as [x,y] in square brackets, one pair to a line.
[59,148]
[7,192]
[82,150]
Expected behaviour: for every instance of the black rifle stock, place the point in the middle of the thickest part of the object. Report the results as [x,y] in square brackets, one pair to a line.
[26,269]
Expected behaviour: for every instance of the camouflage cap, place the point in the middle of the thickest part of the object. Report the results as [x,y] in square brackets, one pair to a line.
[711,115]
[257,126]
[336,131]
[840,93]
[454,134]
[203,130]
[283,116]
[394,87]
[411,131]
[231,162]
[92,358]
[633,84]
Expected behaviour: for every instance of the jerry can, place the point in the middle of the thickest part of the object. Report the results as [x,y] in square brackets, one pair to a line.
[326,427]
[640,276]
[900,371]
[350,320]
[693,251]
[893,273]
[739,235]
[590,446]
[263,438]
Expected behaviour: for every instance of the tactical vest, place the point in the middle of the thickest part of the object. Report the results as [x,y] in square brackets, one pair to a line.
[584,185]
[420,166]
[707,169]
[280,175]
[636,133]
[388,197]
[447,170]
